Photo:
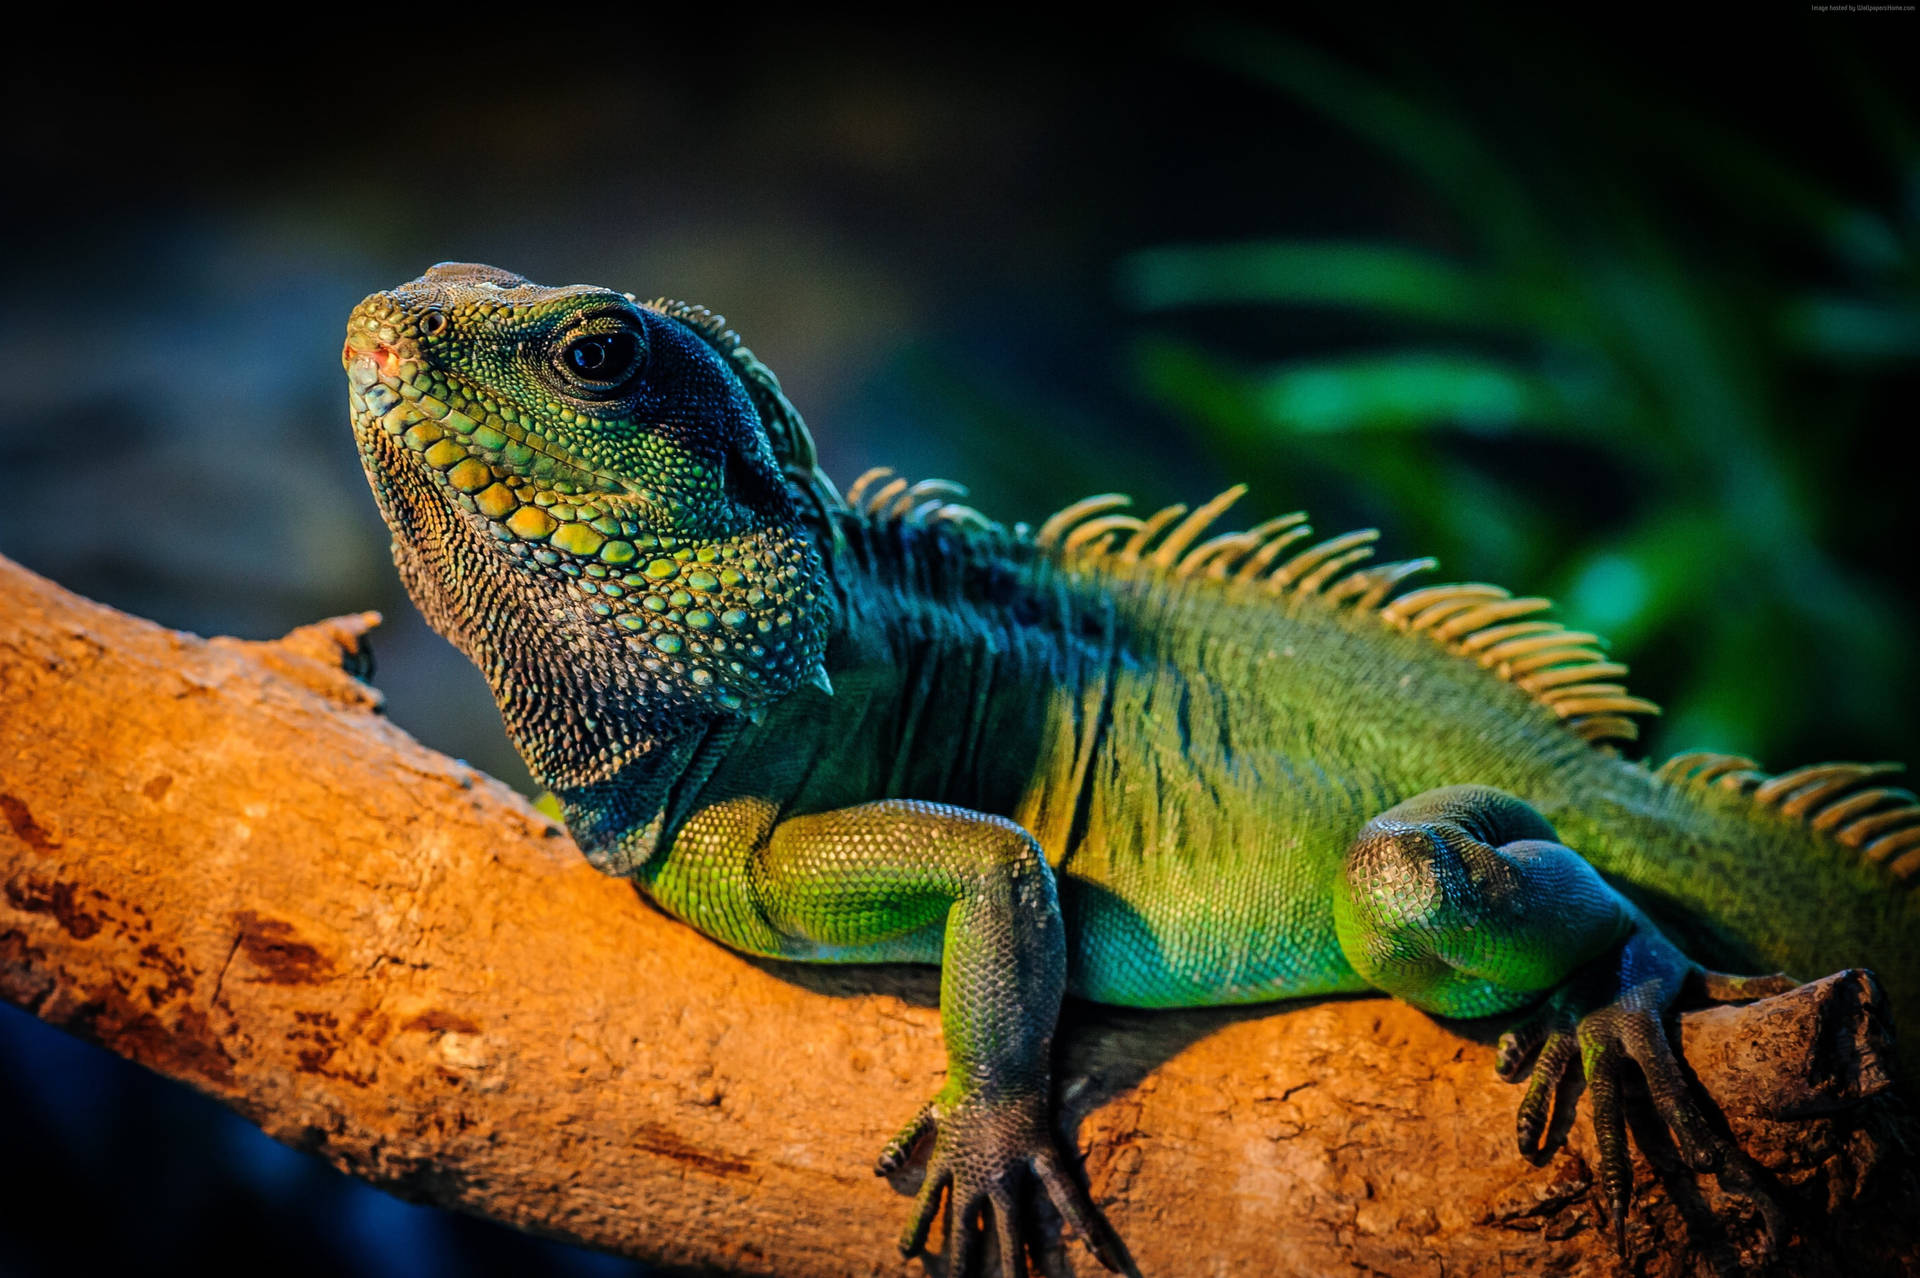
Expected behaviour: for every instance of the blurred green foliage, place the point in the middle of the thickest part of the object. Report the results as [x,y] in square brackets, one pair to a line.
[1584,388]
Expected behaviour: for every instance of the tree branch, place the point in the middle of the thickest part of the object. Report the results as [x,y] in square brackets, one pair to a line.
[222,862]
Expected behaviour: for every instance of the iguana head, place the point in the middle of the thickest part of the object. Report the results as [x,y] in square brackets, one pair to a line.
[585,499]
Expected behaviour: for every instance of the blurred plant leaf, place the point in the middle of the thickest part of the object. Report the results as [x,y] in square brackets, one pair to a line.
[1760,184]
[1446,152]
[1846,329]
[1582,314]
[1379,277]
[1404,390]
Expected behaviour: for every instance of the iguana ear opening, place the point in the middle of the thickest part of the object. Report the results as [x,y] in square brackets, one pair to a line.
[786,431]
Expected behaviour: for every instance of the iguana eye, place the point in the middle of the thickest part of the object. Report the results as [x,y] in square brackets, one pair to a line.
[600,363]
[431,323]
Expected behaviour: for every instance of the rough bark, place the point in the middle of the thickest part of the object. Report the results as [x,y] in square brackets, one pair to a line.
[221,861]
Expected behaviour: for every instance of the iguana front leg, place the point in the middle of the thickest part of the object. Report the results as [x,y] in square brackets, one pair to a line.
[1462,901]
[908,881]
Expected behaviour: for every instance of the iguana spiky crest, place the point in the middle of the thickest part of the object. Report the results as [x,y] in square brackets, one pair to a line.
[1841,800]
[1563,670]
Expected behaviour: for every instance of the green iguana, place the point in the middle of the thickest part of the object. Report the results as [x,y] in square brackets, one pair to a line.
[1125,758]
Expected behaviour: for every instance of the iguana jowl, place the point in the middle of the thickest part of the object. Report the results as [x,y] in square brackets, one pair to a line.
[1121,757]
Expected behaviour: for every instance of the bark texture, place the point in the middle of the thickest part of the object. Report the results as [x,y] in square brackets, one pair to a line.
[220,860]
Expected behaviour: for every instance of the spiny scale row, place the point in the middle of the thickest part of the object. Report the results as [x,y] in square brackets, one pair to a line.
[1880,822]
[883,496]
[1565,670]
[1562,669]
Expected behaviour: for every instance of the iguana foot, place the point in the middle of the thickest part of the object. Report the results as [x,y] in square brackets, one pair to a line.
[984,1150]
[1462,900]
[1610,1014]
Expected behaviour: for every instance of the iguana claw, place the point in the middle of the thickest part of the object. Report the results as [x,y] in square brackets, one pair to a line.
[983,1148]
[1610,1015]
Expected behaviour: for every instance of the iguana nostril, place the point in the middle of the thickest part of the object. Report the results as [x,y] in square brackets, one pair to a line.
[364,362]
[376,345]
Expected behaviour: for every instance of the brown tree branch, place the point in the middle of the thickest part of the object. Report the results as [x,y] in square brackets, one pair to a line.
[220,861]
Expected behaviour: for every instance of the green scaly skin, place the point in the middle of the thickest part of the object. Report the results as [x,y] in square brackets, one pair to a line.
[1114,761]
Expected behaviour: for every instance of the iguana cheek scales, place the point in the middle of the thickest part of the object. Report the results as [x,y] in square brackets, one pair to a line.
[1123,755]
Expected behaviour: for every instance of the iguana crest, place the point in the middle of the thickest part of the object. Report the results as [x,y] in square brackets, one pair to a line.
[1561,669]
[1842,800]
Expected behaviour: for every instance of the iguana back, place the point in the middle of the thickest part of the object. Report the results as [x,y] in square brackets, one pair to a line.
[1183,716]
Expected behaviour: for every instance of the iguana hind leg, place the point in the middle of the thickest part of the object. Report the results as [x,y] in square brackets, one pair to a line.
[1463,902]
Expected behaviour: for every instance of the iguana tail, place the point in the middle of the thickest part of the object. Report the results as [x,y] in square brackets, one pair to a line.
[1806,872]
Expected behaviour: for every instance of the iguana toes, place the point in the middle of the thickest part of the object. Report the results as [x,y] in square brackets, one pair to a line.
[1122,757]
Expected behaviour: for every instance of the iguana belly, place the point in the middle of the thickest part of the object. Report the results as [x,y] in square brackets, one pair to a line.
[1200,944]
[1182,886]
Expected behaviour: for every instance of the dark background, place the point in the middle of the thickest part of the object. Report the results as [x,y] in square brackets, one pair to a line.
[1601,308]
